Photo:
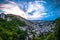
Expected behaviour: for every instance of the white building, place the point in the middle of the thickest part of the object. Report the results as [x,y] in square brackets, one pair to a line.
[2,15]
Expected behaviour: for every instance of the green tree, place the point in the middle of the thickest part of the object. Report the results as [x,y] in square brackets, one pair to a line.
[57,32]
[8,29]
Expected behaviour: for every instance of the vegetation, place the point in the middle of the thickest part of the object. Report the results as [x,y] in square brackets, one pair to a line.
[57,29]
[9,30]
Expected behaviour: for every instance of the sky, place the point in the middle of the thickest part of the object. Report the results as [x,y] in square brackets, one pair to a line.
[32,9]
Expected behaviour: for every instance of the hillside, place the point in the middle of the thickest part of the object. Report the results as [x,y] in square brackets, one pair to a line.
[57,29]
[9,30]
[27,22]
[13,27]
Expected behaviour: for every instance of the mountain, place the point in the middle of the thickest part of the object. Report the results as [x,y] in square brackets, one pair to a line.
[9,30]
[14,27]
[11,27]
[28,22]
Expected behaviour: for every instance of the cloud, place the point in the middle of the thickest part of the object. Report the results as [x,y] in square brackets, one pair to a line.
[35,6]
[12,8]
[38,8]
[3,1]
